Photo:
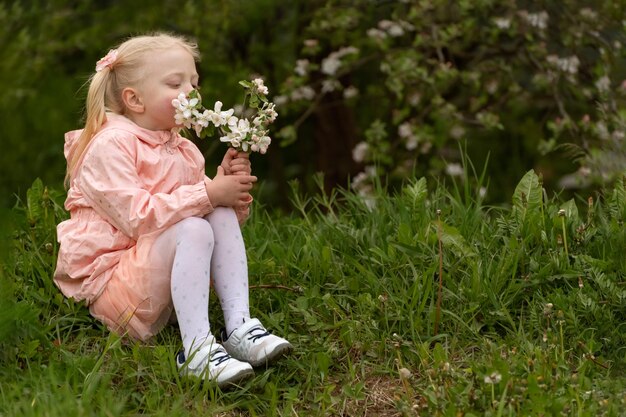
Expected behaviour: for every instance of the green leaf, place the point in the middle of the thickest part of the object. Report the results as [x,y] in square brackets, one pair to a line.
[617,205]
[194,94]
[527,199]
[416,191]
[571,211]
[288,135]
[34,206]
[451,239]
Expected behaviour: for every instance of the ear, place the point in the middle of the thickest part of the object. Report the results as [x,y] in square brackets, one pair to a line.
[132,100]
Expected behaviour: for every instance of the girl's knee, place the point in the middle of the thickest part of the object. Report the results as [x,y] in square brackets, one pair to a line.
[223,214]
[194,229]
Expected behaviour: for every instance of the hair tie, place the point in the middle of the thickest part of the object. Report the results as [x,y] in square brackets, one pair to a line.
[108,60]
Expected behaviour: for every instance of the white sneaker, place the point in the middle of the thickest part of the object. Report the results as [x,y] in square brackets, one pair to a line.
[211,362]
[253,344]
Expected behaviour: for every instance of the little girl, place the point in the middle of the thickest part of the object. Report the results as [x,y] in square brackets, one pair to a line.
[148,230]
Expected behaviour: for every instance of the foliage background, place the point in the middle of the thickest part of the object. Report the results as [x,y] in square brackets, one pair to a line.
[533,299]
[495,78]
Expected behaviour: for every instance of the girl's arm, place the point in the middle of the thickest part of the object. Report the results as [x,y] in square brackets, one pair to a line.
[109,180]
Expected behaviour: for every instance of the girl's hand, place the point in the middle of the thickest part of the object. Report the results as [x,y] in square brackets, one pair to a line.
[230,190]
[240,165]
[236,163]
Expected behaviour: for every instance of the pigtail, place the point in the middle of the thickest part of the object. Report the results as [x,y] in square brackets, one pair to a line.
[94,119]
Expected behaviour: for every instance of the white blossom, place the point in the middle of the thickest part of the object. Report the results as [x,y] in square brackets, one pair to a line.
[406,25]
[268,112]
[330,85]
[362,184]
[185,108]
[455,170]
[569,64]
[602,131]
[302,67]
[359,181]
[331,64]
[303,93]
[457,132]
[494,378]
[281,100]
[259,86]
[396,30]
[603,84]
[411,143]
[492,86]
[375,33]
[385,24]
[263,143]
[414,99]
[350,92]
[502,22]
[587,13]
[538,20]
[201,120]
[219,117]
[392,28]
[405,130]
[359,153]
[584,171]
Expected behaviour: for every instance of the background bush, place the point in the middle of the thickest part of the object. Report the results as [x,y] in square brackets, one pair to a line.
[392,84]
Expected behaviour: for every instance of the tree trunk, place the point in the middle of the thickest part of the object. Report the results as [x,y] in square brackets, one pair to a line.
[335,137]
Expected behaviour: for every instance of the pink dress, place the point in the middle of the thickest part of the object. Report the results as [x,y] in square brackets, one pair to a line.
[132,184]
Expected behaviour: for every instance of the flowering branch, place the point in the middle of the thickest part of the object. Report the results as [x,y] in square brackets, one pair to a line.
[240,133]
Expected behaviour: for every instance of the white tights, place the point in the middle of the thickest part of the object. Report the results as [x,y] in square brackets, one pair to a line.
[203,248]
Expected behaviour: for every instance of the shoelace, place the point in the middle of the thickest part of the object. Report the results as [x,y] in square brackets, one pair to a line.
[213,358]
[216,360]
[255,337]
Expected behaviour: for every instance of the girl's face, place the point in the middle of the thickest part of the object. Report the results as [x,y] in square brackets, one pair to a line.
[168,74]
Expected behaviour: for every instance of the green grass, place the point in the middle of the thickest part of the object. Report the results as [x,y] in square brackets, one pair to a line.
[532,322]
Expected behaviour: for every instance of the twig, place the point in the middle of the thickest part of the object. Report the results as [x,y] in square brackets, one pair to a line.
[276,286]
[590,356]
[562,216]
[438,308]
[437,46]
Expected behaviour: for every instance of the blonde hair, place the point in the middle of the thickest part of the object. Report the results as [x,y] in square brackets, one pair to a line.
[105,86]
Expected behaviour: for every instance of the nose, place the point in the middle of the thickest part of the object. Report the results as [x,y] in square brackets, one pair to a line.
[188,88]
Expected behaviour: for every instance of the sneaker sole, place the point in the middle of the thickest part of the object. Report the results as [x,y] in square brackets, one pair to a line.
[276,353]
[236,378]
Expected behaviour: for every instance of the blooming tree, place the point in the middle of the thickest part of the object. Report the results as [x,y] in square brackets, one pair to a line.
[419,76]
